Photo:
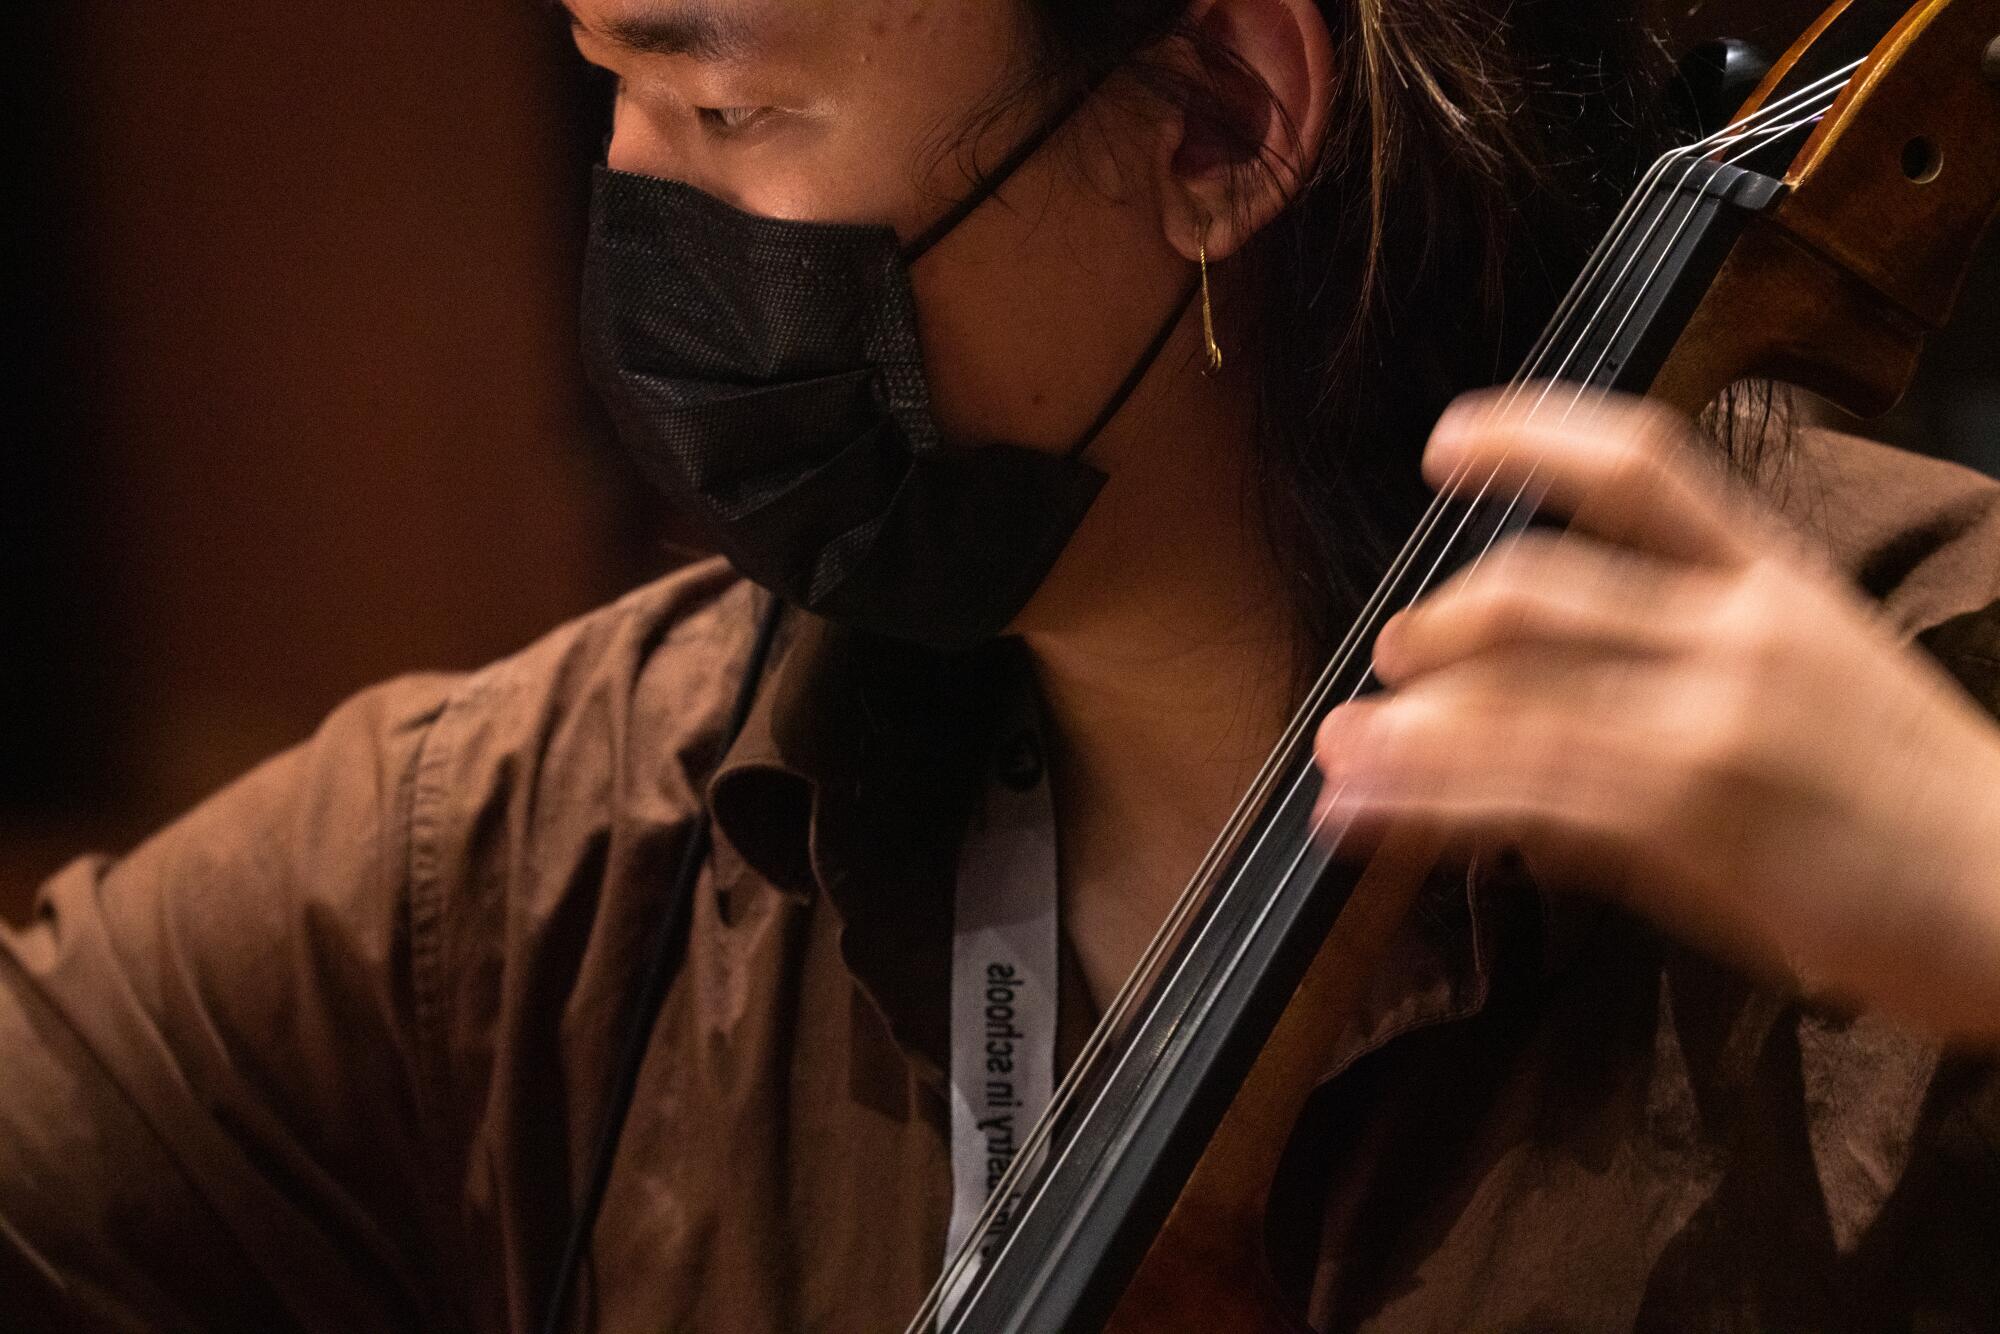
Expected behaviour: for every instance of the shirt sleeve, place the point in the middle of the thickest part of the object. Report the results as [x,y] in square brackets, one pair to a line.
[211,1102]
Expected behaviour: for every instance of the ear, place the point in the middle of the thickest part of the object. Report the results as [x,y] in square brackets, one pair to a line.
[1230,180]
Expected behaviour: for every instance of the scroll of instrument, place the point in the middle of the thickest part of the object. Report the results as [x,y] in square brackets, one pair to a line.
[1816,241]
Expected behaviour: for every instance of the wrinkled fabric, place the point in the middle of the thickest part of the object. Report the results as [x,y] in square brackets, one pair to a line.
[328,1053]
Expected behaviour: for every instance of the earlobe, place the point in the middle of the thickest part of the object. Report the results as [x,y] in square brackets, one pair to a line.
[1234,165]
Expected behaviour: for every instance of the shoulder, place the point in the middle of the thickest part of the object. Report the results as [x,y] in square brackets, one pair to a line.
[551,801]
[636,691]
[1919,535]
[417,799]
[630,692]
[557,770]
[189,1030]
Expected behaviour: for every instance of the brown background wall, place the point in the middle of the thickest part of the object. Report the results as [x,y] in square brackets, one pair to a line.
[332,259]
[291,306]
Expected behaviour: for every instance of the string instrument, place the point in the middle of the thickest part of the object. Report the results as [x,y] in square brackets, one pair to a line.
[1816,241]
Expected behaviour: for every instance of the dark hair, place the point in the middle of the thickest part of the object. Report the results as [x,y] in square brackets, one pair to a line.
[1476,149]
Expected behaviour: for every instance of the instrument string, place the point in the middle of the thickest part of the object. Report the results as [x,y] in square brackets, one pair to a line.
[1451,491]
[1285,753]
[1585,391]
[1454,491]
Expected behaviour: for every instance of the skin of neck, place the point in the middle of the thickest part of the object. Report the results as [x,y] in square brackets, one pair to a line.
[1164,647]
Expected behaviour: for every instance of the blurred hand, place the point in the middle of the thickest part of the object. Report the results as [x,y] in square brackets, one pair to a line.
[1672,704]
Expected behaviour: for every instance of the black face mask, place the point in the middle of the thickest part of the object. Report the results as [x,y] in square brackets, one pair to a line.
[767,376]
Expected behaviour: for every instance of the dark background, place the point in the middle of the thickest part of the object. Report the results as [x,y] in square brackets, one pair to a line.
[290,402]
[290,398]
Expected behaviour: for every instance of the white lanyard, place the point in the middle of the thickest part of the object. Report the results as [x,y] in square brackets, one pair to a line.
[1003,978]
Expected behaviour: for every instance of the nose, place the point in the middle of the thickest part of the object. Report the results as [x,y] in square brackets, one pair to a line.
[639,143]
[664,146]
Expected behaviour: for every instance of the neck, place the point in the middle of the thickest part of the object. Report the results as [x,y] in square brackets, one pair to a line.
[1166,719]
[1164,646]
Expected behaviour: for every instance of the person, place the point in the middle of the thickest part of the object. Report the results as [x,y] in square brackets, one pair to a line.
[905,299]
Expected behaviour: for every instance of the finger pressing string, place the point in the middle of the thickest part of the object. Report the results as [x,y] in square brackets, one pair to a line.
[1570,591]
[1620,469]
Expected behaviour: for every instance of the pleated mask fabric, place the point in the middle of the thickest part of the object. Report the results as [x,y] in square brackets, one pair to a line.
[767,375]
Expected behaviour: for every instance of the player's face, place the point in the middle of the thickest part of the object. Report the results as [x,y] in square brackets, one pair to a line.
[884,111]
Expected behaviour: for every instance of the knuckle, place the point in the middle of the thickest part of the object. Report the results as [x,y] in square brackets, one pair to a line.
[1491,609]
[1506,614]
[1745,627]
[1635,470]
[1720,750]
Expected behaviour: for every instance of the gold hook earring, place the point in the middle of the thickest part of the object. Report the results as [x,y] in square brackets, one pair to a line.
[1207,306]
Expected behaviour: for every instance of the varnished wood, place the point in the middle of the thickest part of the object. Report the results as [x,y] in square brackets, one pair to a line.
[1837,289]
[1817,328]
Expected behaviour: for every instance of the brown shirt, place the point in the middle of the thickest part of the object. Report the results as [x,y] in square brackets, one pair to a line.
[327,1054]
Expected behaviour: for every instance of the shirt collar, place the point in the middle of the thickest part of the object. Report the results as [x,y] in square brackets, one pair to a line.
[854,777]
[860,765]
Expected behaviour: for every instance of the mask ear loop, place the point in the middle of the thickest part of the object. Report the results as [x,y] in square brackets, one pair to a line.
[1140,370]
[990,183]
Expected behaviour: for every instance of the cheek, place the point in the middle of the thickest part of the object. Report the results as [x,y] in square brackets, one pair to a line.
[1034,311]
